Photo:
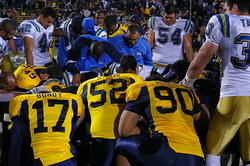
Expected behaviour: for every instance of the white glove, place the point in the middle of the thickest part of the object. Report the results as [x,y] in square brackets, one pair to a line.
[187,81]
[38,89]
[16,60]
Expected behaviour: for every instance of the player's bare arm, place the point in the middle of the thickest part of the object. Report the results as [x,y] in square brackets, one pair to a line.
[29,45]
[205,54]
[151,37]
[187,39]
[128,124]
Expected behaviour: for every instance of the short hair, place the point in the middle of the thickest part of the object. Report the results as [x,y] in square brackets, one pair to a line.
[110,21]
[133,28]
[97,48]
[128,62]
[243,5]
[170,9]
[7,26]
[54,70]
[177,70]
[76,25]
[100,11]
[48,12]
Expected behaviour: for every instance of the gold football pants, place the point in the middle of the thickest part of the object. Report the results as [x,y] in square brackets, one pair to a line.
[232,115]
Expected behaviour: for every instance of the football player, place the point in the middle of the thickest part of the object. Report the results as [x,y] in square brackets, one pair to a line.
[169,110]
[7,32]
[37,35]
[89,51]
[30,76]
[230,32]
[112,27]
[132,44]
[168,36]
[99,19]
[50,119]
[104,97]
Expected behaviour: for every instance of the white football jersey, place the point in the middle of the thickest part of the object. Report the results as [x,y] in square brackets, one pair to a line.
[169,39]
[232,34]
[3,47]
[100,32]
[42,40]
[3,44]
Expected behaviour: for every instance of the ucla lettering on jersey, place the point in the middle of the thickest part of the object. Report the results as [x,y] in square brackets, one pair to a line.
[231,33]
[105,99]
[49,117]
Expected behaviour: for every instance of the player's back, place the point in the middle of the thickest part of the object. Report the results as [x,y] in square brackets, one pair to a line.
[50,117]
[232,33]
[27,76]
[105,99]
[171,111]
[168,41]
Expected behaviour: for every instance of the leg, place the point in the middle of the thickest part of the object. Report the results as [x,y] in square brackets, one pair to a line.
[188,159]
[102,152]
[230,114]
[122,161]
[245,141]
[130,147]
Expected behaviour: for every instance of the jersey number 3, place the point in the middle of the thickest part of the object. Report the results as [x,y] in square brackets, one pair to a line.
[240,39]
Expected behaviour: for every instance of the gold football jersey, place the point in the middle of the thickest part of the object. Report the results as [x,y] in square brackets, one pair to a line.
[171,110]
[50,117]
[105,99]
[26,76]
[122,29]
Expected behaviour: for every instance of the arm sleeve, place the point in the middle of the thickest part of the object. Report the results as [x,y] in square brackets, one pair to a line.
[27,30]
[213,30]
[74,54]
[6,97]
[16,141]
[136,99]
[111,51]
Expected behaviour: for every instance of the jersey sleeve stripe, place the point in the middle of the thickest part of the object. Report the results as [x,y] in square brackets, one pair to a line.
[189,23]
[228,25]
[185,27]
[224,23]
[36,26]
[99,31]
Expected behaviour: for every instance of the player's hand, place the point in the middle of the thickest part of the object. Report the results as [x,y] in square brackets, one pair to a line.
[38,89]
[187,81]
[17,60]
[76,79]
